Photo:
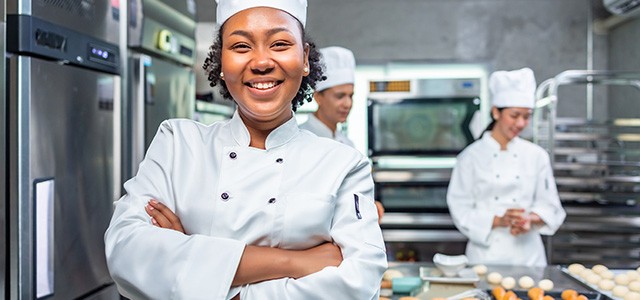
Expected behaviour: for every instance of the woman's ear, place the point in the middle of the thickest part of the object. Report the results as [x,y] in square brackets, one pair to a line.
[495,113]
[307,69]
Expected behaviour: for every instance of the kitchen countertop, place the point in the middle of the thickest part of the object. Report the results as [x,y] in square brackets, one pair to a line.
[561,281]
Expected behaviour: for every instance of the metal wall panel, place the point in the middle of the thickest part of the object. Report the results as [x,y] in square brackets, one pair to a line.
[3,156]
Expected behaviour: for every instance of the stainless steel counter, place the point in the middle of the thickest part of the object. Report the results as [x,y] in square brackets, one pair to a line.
[561,281]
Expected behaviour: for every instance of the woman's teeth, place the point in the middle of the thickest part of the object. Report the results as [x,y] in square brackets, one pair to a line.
[263,85]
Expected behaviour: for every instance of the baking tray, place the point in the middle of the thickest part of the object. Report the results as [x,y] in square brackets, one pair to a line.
[606,294]
[466,275]
[522,294]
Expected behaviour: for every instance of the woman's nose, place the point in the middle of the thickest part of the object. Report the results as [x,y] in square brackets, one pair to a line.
[262,62]
[522,122]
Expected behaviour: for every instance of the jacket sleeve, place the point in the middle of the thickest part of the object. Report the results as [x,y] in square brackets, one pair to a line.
[474,223]
[148,262]
[360,239]
[546,202]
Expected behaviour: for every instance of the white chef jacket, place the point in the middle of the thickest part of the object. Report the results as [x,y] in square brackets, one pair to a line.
[486,182]
[298,193]
[316,126]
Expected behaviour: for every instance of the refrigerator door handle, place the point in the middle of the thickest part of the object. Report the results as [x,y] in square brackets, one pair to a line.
[141,92]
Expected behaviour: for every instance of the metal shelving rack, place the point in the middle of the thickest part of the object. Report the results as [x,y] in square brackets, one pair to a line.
[597,170]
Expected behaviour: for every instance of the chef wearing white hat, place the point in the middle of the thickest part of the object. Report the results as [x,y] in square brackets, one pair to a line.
[252,207]
[334,95]
[502,194]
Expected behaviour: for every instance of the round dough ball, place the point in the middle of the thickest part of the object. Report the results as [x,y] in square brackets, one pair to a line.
[633,275]
[508,283]
[599,269]
[575,268]
[607,274]
[622,279]
[634,286]
[632,296]
[391,274]
[545,284]
[526,282]
[606,284]
[593,278]
[638,269]
[585,273]
[494,278]
[480,269]
[620,290]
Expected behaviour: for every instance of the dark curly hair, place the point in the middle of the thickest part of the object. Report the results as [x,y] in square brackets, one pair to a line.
[213,66]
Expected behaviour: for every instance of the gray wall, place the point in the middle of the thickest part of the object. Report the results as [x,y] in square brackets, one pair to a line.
[549,36]
[624,47]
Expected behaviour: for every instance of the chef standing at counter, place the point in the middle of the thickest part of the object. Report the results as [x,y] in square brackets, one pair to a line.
[502,194]
[334,97]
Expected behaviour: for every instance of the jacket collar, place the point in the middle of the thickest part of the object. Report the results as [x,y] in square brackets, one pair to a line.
[494,145]
[322,130]
[278,137]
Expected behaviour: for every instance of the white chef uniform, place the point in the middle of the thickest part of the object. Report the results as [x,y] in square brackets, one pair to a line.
[486,181]
[318,128]
[298,193]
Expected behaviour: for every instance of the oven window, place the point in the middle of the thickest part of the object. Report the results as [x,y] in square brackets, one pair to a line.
[412,197]
[423,126]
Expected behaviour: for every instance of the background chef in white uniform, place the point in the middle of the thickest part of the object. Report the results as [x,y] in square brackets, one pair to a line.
[502,194]
[263,210]
[334,97]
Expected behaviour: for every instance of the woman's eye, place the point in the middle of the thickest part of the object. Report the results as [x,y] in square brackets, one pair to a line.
[281,45]
[240,47]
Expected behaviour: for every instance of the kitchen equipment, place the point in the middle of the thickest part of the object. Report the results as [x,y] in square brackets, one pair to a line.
[161,40]
[422,124]
[597,168]
[415,129]
[63,156]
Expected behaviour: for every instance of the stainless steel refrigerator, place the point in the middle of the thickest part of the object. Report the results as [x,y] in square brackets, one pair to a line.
[161,40]
[64,146]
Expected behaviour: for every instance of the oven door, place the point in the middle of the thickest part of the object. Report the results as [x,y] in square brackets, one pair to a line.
[420,126]
[417,223]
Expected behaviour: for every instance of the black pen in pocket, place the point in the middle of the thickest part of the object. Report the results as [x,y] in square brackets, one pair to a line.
[356,200]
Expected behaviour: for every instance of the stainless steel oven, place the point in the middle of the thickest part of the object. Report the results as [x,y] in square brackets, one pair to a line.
[416,224]
[415,130]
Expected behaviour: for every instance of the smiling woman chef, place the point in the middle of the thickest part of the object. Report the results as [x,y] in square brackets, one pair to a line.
[502,194]
[269,211]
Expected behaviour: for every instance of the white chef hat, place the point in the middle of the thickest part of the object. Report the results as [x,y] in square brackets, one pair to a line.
[340,67]
[228,8]
[513,88]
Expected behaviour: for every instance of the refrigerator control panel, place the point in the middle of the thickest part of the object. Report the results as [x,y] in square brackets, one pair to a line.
[33,36]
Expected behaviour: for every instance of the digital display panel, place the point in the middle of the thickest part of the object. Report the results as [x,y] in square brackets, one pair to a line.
[102,55]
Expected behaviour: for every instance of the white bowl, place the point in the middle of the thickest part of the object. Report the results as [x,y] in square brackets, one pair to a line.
[450,265]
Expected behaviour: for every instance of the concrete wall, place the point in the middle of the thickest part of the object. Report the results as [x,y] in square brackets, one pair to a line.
[549,36]
[624,49]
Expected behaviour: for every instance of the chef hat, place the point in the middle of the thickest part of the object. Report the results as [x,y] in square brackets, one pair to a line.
[228,8]
[340,67]
[513,88]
